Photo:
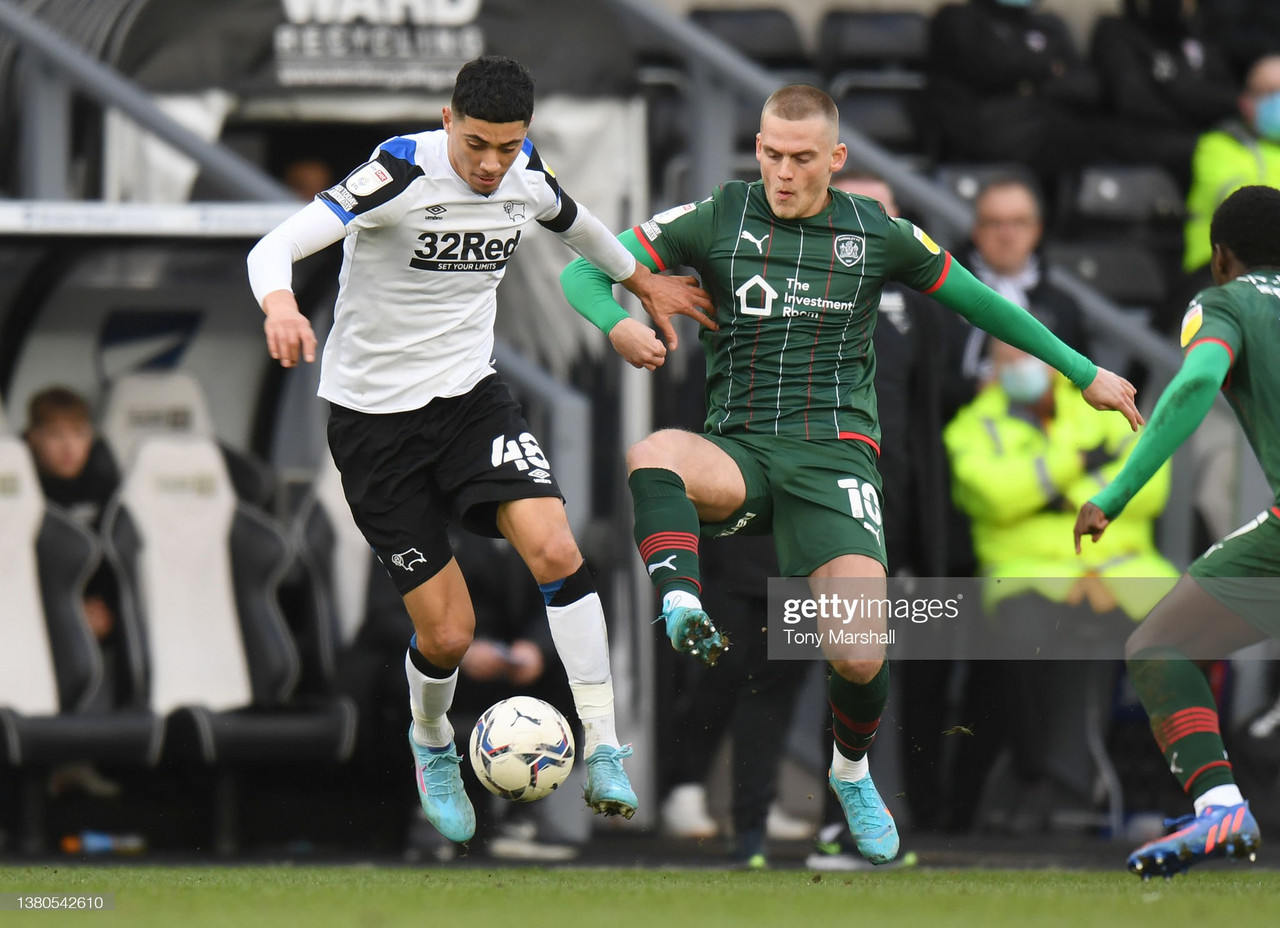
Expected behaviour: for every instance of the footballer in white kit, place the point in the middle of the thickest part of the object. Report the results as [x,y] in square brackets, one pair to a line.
[423,429]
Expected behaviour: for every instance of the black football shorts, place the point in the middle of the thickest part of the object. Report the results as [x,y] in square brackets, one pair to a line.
[407,475]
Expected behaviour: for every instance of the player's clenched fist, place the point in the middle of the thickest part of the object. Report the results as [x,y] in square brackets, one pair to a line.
[289,334]
[638,344]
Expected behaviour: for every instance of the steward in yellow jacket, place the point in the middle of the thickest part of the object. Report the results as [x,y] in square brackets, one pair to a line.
[1025,455]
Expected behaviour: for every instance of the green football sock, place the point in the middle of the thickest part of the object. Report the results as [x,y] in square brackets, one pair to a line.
[1184,718]
[856,710]
[666,530]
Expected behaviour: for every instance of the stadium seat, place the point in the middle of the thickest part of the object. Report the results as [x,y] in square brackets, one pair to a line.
[966,180]
[198,574]
[51,668]
[1126,194]
[1127,272]
[886,116]
[766,35]
[150,402]
[872,49]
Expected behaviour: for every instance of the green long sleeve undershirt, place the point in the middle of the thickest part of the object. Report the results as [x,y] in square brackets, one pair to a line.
[589,290]
[1010,323]
[1179,412]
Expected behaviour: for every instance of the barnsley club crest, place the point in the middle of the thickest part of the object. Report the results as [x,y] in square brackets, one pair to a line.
[849,249]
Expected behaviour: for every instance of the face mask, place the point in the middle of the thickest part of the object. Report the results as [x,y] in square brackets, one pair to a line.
[1267,121]
[1024,381]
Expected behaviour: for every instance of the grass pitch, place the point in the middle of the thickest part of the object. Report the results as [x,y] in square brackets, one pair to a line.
[315,897]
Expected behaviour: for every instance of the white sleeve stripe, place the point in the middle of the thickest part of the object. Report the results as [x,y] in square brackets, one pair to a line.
[307,231]
[589,237]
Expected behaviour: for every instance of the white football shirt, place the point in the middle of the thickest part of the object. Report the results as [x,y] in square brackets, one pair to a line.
[422,258]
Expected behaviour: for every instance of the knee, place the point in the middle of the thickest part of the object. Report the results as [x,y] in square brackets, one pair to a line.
[555,557]
[446,643]
[858,671]
[653,451]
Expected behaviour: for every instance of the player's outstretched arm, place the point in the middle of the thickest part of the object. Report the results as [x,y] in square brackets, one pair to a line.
[1010,323]
[1179,412]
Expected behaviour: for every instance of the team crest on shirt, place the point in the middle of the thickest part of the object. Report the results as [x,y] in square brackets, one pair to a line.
[1191,323]
[849,249]
[514,210]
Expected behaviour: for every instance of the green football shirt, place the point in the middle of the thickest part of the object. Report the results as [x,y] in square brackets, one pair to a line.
[1243,316]
[796,304]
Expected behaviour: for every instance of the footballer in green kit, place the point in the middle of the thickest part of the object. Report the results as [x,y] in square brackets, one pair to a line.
[1229,596]
[789,446]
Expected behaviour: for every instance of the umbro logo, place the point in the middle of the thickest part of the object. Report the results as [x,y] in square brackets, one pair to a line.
[758,242]
[437,211]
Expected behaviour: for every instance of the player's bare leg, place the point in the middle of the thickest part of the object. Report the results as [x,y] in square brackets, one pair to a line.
[677,480]
[858,689]
[539,530]
[444,624]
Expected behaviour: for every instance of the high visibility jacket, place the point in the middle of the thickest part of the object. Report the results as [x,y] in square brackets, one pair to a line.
[1225,160]
[1022,482]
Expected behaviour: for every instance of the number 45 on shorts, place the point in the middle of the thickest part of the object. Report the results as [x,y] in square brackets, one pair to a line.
[523,451]
[864,504]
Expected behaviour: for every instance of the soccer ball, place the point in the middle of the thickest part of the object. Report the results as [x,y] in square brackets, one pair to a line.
[521,749]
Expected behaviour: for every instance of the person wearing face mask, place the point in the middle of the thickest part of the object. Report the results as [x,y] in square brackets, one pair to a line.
[1022,454]
[1163,79]
[1240,152]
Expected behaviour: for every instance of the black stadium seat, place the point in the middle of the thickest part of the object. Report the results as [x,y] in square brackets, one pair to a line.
[1127,272]
[872,48]
[1127,194]
[766,35]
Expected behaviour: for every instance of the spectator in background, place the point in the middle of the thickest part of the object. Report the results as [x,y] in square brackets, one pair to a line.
[78,474]
[1163,79]
[1007,84]
[1025,454]
[1245,30]
[307,177]
[1005,255]
[1238,153]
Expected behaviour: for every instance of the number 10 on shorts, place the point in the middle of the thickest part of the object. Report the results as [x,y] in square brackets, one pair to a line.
[864,504]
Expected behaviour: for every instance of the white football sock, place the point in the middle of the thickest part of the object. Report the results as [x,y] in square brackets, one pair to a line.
[429,701]
[1226,795]
[844,769]
[678,598]
[582,641]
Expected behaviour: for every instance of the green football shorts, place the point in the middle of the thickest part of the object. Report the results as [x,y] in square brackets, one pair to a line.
[1243,572]
[819,499]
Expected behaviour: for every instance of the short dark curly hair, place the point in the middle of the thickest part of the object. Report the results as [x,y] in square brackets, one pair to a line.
[495,89]
[1248,222]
